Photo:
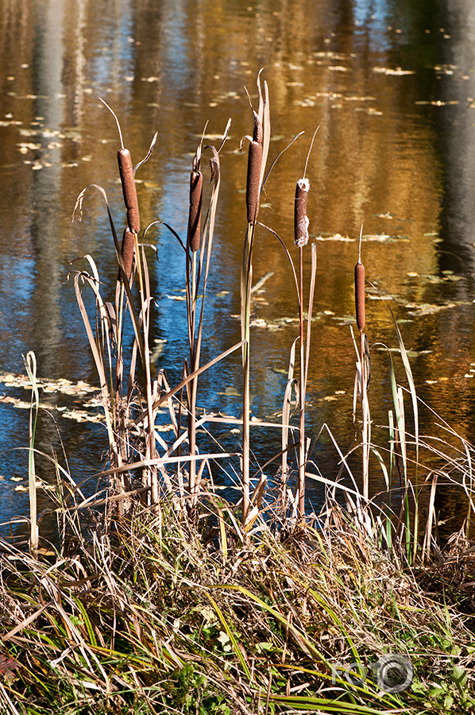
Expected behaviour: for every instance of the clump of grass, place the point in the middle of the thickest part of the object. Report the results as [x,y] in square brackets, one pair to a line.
[156,616]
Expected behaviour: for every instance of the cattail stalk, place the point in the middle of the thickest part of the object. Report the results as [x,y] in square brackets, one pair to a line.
[253,189]
[301,223]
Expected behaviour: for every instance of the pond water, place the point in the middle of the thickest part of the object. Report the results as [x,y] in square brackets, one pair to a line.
[391,86]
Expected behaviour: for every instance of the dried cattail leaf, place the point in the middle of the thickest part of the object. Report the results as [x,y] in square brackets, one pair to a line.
[127,251]
[360,295]
[194,216]
[301,219]
[127,178]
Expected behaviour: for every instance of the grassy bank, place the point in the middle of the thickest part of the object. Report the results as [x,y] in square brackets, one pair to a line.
[160,596]
[157,615]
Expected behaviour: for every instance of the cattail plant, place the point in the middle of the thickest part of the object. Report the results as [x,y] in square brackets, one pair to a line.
[257,157]
[108,348]
[192,246]
[199,240]
[301,224]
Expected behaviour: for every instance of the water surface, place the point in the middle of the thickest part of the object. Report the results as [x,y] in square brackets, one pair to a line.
[391,86]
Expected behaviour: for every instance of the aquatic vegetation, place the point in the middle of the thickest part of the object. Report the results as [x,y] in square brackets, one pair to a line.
[169,591]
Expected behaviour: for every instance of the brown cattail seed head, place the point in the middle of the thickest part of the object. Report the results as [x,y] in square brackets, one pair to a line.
[360,295]
[253,180]
[194,216]
[127,179]
[301,219]
[254,171]
[127,251]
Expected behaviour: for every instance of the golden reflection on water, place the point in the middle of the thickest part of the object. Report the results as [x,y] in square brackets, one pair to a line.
[371,85]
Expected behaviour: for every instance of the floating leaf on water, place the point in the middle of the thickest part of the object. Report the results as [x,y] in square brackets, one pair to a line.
[398,72]
[419,309]
[335,237]
[175,297]
[377,296]
[230,392]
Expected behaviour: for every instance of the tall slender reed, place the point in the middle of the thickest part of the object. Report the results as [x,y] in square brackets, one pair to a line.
[30,364]
[363,366]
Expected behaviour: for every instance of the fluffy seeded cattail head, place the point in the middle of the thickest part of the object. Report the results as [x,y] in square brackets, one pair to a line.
[194,215]
[129,190]
[360,295]
[127,251]
[254,171]
[301,219]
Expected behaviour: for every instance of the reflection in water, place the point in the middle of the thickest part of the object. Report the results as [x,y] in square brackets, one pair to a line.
[392,154]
